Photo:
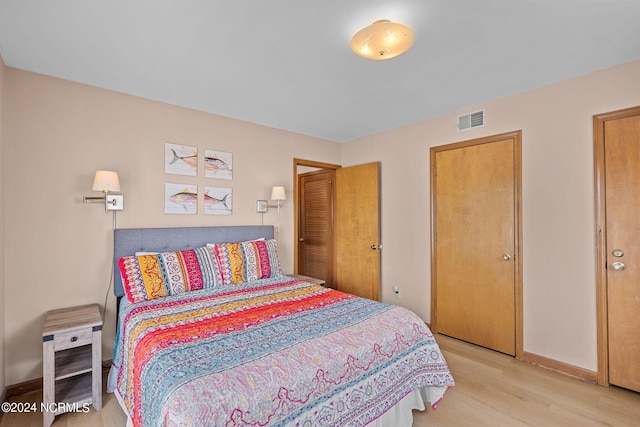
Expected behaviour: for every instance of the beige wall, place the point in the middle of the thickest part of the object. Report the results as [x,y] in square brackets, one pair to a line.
[59,249]
[57,133]
[2,229]
[558,203]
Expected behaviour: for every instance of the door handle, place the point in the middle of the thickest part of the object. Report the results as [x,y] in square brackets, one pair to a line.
[301,239]
[506,257]
[618,266]
[375,247]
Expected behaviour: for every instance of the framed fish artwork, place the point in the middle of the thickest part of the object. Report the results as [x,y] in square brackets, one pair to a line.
[218,200]
[180,159]
[180,199]
[218,164]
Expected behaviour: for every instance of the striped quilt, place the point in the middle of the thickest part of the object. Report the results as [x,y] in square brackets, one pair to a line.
[273,352]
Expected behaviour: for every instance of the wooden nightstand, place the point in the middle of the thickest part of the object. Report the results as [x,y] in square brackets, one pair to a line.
[307,279]
[72,361]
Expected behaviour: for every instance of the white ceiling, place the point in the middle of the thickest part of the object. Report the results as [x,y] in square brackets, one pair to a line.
[287,63]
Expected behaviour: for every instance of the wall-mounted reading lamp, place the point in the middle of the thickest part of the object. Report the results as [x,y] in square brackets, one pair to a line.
[107,181]
[278,194]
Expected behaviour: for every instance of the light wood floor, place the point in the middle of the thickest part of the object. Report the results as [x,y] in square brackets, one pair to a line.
[491,390]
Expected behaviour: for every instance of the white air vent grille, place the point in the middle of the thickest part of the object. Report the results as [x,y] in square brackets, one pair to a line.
[471,120]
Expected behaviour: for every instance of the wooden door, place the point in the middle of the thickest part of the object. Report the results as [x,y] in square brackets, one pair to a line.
[621,143]
[357,230]
[315,229]
[476,249]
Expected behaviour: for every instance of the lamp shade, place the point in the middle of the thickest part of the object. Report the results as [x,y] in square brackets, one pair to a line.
[382,40]
[106,181]
[277,193]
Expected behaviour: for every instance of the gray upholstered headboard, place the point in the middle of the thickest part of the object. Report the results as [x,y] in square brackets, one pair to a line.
[128,241]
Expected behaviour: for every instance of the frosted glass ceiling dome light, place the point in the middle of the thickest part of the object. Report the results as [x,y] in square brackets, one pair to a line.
[382,40]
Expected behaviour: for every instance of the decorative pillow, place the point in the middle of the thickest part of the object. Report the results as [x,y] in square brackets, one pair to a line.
[230,262]
[246,261]
[146,277]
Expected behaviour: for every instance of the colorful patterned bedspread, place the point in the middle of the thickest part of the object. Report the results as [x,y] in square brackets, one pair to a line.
[273,352]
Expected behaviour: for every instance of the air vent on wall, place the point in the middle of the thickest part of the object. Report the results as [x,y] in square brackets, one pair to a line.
[471,120]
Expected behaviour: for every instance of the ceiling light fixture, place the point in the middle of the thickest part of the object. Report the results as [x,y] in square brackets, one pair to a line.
[382,40]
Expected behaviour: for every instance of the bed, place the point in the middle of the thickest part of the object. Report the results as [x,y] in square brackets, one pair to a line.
[210,332]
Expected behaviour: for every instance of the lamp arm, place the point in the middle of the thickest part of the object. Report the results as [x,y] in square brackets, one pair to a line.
[93,199]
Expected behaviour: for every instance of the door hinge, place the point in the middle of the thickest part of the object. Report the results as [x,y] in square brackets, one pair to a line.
[435,172]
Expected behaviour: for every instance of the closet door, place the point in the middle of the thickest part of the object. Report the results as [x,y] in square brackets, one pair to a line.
[475,286]
[315,241]
[618,150]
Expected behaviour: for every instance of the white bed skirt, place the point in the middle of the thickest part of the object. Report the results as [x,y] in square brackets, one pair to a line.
[401,414]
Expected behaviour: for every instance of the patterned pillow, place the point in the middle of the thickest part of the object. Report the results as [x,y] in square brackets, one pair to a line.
[146,277]
[240,262]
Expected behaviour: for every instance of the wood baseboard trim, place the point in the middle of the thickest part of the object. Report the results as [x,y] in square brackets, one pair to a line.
[36,384]
[564,368]
[3,398]
[24,387]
